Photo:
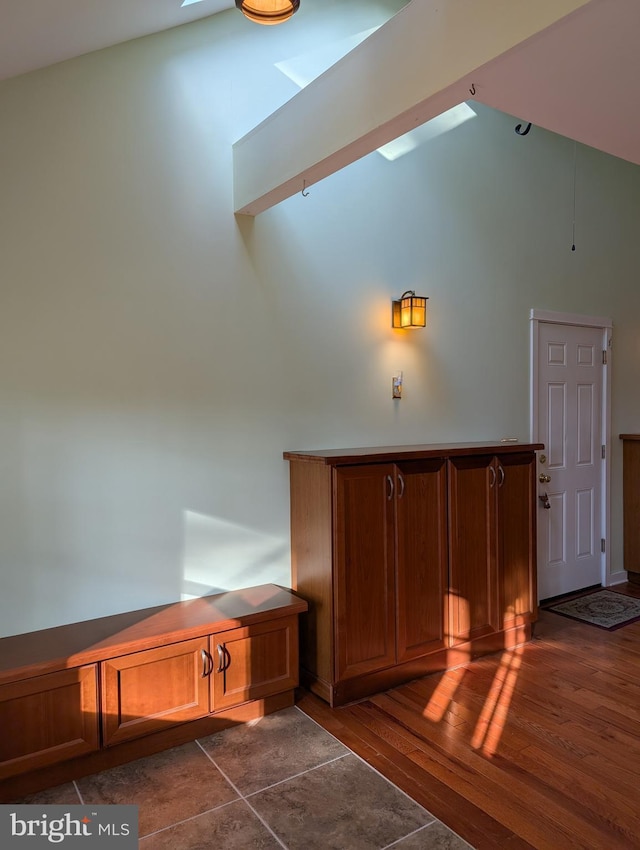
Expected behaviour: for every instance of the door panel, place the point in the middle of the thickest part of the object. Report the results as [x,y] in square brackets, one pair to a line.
[254,662]
[365,575]
[472,546]
[47,719]
[422,557]
[569,424]
[516,538]
[148,691]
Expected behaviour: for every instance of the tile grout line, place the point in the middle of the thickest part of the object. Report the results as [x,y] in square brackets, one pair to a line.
[370,766]
[242,797]
[193,817]
[296,775]
[433,820]
[408,835]
[245,798]
[75,785]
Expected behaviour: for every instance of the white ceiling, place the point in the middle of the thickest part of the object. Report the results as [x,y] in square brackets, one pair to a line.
[37,33]
[580,79]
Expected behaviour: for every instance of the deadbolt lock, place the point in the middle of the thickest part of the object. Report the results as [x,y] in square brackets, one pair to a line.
[544,479]
[543,458]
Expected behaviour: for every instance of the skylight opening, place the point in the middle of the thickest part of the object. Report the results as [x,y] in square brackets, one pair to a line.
[303,69]
[449,120]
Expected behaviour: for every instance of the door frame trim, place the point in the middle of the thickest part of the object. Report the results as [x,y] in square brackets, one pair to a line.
[606,326]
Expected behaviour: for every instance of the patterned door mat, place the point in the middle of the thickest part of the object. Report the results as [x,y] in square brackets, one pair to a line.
[605,609]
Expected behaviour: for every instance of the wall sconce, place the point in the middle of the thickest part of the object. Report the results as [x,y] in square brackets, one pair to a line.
[409,311]
[268,11]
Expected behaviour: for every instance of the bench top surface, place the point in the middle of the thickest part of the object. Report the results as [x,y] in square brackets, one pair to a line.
[58,648]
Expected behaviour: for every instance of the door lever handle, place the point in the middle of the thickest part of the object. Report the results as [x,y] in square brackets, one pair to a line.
[546,504]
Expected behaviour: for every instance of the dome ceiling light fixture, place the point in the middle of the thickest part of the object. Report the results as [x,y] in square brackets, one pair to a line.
[268,11]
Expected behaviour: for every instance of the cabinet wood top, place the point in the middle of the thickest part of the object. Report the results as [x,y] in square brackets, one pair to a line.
[380,454]
[35,653]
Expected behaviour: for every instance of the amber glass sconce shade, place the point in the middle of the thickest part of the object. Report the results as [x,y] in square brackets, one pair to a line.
[409,311]
[268,11]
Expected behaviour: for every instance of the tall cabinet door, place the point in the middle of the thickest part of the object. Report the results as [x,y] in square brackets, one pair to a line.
[364,580]
[473,601]
[516,538]
[421,538]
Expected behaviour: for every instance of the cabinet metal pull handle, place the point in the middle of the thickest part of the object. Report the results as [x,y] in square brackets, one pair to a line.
[401,480]
[224,658]
[391,488]
[501,474]
[207,664]
[493,476]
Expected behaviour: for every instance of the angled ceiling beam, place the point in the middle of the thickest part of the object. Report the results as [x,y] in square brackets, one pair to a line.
[416,66]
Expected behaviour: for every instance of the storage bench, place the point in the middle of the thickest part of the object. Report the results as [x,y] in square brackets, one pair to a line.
[80,698]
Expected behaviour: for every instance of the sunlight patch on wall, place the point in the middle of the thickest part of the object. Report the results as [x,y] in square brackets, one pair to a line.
[221,555]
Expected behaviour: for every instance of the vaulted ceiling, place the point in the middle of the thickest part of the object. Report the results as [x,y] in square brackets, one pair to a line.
[37,33]
[570,66]
[576,73]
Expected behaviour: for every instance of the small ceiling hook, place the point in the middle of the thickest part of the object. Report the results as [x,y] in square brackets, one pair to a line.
[304,186]
[472,90]
[522,132]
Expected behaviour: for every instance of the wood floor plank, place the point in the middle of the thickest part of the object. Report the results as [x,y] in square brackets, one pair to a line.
[486,784]
[537,747]
[480,830]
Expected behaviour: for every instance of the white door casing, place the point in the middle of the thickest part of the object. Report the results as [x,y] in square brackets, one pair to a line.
[570,415]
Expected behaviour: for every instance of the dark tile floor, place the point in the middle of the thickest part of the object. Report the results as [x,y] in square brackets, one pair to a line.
[280,782]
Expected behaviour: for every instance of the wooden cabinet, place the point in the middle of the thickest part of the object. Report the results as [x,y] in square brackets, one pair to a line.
[491,543]
[631,505]
[421,564]
[516,552]
[407,553]
[48,718]
[147,691]
[473,586]
[364,570]
[390,564]
[104,691]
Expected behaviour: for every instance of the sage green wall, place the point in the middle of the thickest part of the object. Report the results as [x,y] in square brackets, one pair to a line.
[158,355]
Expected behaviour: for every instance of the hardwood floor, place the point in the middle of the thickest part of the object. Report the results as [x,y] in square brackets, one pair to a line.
[534,747]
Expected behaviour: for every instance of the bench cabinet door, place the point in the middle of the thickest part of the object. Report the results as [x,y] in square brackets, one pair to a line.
[148,691]
[48,719]
[254,662]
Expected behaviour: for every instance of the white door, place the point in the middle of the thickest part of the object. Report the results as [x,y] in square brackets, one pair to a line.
[570,386]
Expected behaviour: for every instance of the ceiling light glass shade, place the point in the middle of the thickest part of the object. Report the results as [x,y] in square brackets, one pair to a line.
[409,311]
[268,11]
